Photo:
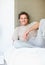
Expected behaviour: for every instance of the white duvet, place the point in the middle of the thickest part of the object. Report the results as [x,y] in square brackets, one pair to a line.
[25,56]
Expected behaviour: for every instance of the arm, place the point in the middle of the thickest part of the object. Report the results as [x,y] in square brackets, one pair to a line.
[33,27]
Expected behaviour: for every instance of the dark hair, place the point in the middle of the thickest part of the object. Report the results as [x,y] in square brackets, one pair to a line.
[25,13]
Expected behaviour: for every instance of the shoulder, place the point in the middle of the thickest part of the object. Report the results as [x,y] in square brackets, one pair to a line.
[34,22]
[17,28]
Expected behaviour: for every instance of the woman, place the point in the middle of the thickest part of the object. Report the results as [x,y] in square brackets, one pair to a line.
[26,33]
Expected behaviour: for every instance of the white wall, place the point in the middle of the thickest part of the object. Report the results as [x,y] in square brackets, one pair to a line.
[7,22]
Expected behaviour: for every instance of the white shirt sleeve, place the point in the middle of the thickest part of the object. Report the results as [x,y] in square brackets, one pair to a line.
[15,34]
[32,23]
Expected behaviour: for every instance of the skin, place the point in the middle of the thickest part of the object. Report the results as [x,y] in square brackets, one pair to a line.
[34,27]
[24,21]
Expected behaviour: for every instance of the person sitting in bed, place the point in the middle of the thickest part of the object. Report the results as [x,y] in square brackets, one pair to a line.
[26,32]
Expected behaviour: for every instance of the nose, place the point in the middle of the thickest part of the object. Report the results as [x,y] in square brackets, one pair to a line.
[23,20]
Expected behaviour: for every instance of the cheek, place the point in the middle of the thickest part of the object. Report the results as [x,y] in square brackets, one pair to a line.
[21,20]
[26,21]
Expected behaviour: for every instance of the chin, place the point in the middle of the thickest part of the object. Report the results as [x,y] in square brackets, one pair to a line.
[23,24]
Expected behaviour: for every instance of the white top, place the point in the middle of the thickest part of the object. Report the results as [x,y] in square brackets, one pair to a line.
[19,31]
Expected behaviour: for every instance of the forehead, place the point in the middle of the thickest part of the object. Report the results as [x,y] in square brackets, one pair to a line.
[23,15]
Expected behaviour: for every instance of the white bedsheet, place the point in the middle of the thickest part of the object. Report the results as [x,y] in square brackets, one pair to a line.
[25,56]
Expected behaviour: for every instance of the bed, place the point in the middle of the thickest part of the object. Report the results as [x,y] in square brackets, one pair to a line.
[25,56]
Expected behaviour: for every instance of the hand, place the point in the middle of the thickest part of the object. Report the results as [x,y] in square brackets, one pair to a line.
[25,36]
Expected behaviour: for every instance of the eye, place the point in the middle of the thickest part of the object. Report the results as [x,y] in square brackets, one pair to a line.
[25,18]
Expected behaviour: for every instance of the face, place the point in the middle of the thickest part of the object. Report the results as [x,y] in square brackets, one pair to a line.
[23,20]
